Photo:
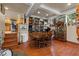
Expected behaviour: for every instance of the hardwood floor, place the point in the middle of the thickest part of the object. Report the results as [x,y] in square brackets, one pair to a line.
[57,48]
[64,48]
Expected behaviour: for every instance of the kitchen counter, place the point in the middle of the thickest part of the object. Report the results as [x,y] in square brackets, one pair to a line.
[10,40]
[9,32]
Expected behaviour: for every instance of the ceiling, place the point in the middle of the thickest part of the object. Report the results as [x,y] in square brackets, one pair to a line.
[51,9]
[60,6]
[17,7]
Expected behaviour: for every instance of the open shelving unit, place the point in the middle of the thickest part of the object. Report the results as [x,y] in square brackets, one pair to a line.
[60,28]
[37,24]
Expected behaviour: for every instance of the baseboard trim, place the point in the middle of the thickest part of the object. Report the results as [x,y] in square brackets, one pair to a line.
[73,42]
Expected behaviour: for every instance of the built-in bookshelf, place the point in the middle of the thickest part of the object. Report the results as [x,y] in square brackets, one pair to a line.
[60,28]
[37,24]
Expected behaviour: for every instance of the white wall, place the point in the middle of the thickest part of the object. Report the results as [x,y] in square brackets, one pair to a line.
[2,28]
[71,34]
[2,24]
[71,30]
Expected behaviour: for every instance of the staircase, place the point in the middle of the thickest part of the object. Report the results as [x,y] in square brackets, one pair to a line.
[10,41]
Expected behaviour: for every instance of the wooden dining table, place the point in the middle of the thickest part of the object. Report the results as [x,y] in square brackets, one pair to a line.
[39,37]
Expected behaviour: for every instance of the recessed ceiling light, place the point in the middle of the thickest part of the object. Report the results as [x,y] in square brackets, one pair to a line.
[69,4]
[46,14]
[38,12]
[6,8]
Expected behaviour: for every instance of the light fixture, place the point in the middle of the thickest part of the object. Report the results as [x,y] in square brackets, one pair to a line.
[18,19]
[8,21]
[69,4]
[38,12]
[6,8]
[46,14]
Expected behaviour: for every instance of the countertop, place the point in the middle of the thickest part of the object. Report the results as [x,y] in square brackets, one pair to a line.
[9,32]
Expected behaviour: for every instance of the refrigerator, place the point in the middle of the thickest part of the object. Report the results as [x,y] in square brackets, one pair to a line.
[22,33]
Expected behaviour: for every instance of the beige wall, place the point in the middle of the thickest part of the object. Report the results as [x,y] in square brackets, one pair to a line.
[13,14]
